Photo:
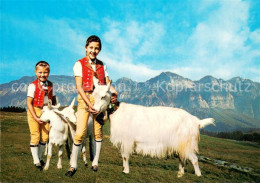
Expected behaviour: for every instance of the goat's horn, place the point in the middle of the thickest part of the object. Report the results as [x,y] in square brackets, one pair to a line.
[49,104]
[57,100]
[108,85]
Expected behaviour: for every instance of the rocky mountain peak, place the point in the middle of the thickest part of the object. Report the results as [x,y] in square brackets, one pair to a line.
[208,79]
[124,80]
[167,89]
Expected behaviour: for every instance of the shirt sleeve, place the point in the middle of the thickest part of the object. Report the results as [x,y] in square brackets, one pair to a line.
[105,70]
[77,69]
[31,90]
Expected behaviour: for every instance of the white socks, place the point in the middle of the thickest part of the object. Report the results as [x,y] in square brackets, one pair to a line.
[34,150]
[97,149]
[74,155]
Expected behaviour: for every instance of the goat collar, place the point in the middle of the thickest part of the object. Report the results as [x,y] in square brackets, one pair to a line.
[112,108]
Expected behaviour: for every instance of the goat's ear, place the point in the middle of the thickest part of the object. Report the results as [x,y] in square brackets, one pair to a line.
[49,103]
[72,103]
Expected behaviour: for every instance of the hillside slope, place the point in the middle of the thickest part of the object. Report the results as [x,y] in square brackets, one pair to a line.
[142,169]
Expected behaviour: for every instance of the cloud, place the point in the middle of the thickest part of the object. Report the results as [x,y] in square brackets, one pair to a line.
[133,39]
[255,36]
[127,43]
[219,44]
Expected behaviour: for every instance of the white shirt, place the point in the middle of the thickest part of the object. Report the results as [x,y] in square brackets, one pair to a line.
[31,91]
[77,69]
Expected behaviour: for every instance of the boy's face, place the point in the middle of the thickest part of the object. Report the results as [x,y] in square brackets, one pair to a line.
[42,73]
[92,50]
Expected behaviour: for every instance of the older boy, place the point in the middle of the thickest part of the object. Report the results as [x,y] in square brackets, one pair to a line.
[84,70]
[39,92]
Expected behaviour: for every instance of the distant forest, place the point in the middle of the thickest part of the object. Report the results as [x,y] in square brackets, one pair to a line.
[252,135]
[12,109]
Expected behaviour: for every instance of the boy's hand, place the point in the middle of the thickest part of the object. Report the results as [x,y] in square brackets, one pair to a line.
[93,111]
[39,120]
[114,98]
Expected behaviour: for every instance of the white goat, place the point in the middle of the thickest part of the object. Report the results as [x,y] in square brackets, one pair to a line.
[155,131]
[69,116]
[59,125]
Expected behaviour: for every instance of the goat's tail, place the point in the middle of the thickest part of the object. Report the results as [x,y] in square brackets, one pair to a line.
[205,122]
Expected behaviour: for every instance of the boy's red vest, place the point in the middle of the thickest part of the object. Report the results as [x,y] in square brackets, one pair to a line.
[40,93]
[88,73]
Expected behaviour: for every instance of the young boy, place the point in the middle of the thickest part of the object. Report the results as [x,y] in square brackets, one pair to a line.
[84,70]
[39,92]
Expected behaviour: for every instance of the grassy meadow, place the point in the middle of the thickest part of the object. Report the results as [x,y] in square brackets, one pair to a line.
[17,164]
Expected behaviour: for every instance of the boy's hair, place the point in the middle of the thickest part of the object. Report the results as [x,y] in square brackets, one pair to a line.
[42,64]
[93,38]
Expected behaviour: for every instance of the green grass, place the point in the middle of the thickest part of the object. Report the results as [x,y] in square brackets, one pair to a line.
[17,164]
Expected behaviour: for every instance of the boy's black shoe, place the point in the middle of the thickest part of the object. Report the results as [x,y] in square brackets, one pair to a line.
[71,172]
[94,168]
[42,163]
[38,166]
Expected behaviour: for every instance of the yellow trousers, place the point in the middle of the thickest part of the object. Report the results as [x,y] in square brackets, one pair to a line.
[38,132]
[82,121]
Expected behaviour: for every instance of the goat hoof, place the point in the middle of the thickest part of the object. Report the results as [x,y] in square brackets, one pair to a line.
[59,167]
[125,172]
[86,164]
[179,175]
[94,168]
[71,172]
[38,166]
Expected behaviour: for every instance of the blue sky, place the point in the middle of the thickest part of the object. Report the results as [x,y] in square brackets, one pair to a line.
[140,39]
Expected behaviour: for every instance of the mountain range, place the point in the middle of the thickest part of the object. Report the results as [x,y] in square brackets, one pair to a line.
[235,103]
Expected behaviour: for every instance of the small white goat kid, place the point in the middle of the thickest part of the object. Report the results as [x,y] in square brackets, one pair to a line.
[155,131]
[59,124]
[69,116]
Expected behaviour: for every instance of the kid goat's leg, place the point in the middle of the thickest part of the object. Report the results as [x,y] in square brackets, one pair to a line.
[59,165]
[48,156]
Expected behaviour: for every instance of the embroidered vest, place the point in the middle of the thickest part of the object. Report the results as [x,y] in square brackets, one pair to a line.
[39,93]
[88,73]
